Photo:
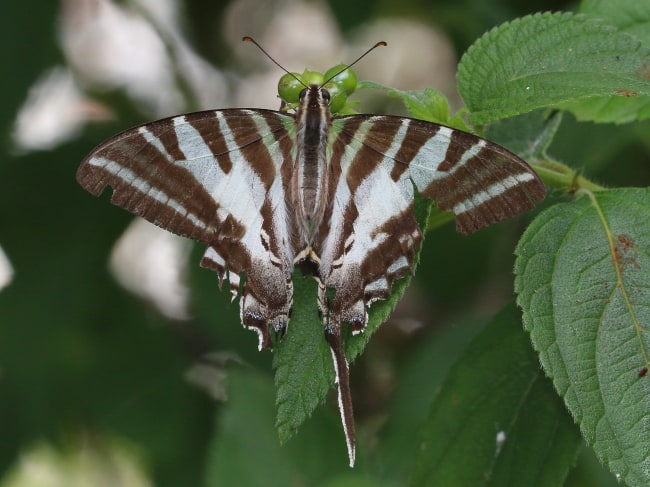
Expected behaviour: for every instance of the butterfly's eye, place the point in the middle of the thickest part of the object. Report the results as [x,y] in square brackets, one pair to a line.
[336,98]
[303,93]
[290,87]
[325,94]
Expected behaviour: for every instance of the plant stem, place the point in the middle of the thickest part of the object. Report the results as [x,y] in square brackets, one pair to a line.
[558,175]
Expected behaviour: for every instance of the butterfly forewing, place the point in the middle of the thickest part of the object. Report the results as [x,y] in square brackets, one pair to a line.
[481,182]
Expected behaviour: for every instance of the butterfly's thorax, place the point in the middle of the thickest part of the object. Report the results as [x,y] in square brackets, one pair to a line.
[309,180]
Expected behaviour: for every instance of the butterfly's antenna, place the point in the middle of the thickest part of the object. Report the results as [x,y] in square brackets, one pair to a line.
[379,44]
[250,39]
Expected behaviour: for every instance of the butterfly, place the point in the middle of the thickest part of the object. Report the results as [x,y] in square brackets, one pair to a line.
[267,191]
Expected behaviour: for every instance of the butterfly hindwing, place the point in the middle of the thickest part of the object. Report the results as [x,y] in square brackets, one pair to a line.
[372,236]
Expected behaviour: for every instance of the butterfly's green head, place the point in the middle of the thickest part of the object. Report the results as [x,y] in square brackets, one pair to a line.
[340,81]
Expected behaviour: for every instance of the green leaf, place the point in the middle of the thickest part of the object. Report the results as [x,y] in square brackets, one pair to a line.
[583,282]
[427,104]
[528,135]
[555,60]
[419,380]
[246,436]
[302,361]
[353,479]
[497,420]
[631,16]
[628,107]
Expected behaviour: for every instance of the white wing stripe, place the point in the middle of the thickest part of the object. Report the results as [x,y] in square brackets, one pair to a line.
[377,199]
[341,201]
[377,285]
[281,222]
[269,142]
[276,191]
[467,155]
[404,183]
[396,144]
[491,191]
[143,186]
[199,160]
[424,166]
[155,141]
[399,264]
[215,257]
[234,280]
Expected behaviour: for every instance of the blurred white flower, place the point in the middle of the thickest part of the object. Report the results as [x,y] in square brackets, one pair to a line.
[109,47]
[417,56]
[298,35]
[210,374]
[303,35]
[140,50]
[152,263]
[96,462]
[55,111]
[6,271]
